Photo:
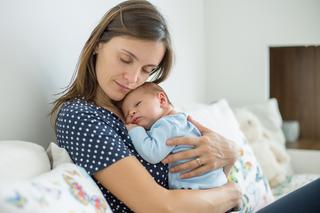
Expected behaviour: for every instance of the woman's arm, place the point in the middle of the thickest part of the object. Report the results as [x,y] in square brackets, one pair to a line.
[213,150]
[129,181]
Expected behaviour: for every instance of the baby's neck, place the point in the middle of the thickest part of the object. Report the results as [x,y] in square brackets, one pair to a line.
[169,111]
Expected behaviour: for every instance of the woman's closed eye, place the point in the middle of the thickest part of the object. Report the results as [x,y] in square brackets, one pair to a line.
[138,103]
[125,60]
[149,69]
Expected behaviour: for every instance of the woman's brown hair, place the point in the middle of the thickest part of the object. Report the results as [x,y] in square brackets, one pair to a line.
[135,18]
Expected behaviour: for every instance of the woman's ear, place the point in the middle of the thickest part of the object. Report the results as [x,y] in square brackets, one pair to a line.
[163,99]
[97,48]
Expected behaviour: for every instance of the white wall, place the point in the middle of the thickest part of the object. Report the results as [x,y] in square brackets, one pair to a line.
[221,51]
[239,34]
[40,42]
[187,26]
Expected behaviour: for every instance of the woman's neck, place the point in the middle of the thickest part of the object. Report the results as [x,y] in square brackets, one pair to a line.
[102,100]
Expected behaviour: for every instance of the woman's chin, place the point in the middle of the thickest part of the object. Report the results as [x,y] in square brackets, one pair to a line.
[118,97]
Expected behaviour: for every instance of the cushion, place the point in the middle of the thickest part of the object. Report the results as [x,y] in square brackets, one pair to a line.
[272,157]
[269,115]
[57,155]
[246,172]
[67,188]
[22,160]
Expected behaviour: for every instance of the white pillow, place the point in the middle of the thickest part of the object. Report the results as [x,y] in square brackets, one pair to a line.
[22,160]
[67,188]
[217,116]
[246,172]
[269,115]
[57,155]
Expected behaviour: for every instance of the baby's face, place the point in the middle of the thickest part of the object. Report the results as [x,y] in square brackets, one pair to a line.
[141,108]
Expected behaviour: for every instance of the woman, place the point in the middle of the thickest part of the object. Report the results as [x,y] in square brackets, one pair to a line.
[129,45]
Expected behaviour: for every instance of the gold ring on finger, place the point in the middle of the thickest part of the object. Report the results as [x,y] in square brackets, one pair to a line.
[199,161]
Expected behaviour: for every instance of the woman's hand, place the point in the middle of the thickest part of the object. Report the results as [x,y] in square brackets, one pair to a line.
[211,151]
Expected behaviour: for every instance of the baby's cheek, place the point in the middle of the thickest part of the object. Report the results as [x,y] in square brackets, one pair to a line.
[128,121]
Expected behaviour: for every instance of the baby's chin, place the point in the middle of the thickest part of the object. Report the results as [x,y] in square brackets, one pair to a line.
[144,125]
[147,126]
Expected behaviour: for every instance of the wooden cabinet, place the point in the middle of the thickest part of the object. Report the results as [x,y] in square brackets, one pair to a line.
[295,82]
[304,144]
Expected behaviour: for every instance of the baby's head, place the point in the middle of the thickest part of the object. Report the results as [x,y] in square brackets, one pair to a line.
[145,105]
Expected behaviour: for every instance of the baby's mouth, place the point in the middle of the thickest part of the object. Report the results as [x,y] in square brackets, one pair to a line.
[135,120]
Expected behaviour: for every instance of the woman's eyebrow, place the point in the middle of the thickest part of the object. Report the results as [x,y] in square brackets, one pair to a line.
[131,54]
[135,57]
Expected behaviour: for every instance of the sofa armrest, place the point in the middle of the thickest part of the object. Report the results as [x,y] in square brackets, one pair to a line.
[305,161]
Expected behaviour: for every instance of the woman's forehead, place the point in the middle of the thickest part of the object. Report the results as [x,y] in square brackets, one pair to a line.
[143,50]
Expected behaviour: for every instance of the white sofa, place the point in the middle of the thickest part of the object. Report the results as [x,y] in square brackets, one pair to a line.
[22,163]
[306,168]
[305,161]
[34,179]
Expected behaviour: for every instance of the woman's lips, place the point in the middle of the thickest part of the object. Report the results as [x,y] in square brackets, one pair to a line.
[123,87]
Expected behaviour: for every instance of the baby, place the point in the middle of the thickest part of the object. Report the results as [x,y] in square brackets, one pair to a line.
[151,121]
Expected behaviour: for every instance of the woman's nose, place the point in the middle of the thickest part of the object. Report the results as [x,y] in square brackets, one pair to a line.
[132,75]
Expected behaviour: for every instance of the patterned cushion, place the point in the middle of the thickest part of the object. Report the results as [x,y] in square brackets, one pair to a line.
[247,172]
[67,188]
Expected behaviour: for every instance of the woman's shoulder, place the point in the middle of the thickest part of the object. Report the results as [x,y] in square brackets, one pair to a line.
[81,107]
[80,115]
[83,111]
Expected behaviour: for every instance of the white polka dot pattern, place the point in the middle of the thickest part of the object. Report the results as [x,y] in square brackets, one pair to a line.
[96,138]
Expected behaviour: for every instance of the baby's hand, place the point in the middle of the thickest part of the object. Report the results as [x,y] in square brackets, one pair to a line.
[130,126]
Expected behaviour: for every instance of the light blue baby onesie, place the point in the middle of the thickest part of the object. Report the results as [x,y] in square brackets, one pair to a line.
[151,145]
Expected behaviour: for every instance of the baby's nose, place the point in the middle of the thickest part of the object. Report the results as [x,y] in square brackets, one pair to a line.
[132,112]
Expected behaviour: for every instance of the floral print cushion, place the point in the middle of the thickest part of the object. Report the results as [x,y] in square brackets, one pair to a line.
[65,189]
[292,183]
[247,173]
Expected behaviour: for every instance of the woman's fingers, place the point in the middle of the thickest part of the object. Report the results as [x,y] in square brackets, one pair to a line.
[201,128]
[195,172]
[183,141]
[190,165]
[195,167]
[189,154]
[213,150]
[235,195]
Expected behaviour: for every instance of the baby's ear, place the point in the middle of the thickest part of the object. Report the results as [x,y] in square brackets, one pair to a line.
[163,99]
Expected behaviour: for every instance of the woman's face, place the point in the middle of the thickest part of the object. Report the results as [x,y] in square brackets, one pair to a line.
[124,63]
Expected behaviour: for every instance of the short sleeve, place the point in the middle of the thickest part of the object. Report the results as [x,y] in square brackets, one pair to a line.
[92,141]
[95,138]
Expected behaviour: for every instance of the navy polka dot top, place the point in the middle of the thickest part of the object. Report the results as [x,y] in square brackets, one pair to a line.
[96,138]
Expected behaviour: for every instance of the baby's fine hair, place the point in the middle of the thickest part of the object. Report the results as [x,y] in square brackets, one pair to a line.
[154,89]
